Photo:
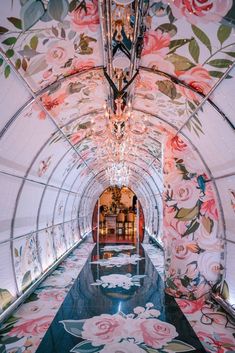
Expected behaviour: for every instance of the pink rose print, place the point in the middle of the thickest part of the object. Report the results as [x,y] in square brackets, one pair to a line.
[36,327]
[198,78]
[180,249]
[59,53]
[200,11]
[53,103]
[208,208]
[156,333]
[158,62]
[178,148]
[185,193]
[104,329]
[177,144]
[122,347]
[218,343]
[77,137]
[54,295]
[169,166]
[191,306]
[80,65]
[156,42]
[88,18]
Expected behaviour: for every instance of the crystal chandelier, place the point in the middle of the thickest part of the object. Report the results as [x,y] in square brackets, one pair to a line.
[122,28]
[118,174]
[118,138]
[121,20]
[118,152]
[115,152]
[117,121]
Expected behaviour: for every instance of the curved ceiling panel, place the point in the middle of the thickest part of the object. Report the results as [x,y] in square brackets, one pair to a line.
[73,97]
[52,49]
[226,189]
[53,163]
[19,147]
[46,207]
[9,187]
[161,96]
[189,41]
[224,96]
[212,124]
[26,208]
[8,106]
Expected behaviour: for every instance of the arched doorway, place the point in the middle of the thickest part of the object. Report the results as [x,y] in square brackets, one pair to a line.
[120,218]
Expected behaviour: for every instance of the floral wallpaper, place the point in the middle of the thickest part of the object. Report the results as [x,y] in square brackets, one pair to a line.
[117,280]
[119,260]
[76,96]
[192,42]
[213,326]
[27,265]
[49,40]
[139,332]
[24,330]
[191,239]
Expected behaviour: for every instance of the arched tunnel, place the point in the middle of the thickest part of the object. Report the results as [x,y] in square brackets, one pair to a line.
[143,89]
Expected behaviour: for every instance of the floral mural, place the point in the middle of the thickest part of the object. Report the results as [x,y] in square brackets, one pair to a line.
[120,260]
[197,59]
[24,330]
[213,326]
[26,260]
[46,41]
[196,12]
[140,331]
[118,280]
[193,250]
[204,316]
[118,248]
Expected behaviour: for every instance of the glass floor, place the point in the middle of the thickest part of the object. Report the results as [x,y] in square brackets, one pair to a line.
[118,305]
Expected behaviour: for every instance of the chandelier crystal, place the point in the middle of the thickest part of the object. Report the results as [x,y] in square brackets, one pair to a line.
[117,121]
[118,174]
[121,20]
[122,28]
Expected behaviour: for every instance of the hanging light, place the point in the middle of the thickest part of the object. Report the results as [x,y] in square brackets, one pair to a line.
[119,136]
[121,20]
[118,174]
[122,27]
[117,121]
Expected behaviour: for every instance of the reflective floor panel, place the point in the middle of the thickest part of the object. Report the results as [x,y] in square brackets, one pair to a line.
[118,305]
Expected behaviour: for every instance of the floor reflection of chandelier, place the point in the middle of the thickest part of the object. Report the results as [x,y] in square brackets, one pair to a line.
[118,174]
